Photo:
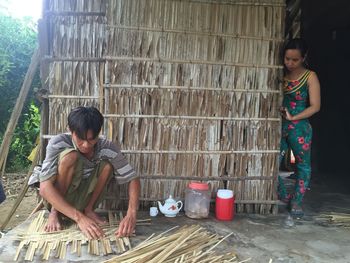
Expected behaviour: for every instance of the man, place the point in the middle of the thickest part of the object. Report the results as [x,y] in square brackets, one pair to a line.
[76,171]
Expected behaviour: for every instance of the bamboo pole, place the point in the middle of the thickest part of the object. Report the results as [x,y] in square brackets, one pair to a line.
[16,113]
[23,192]
[182,61]
[168,87]
[189,117]
[189,32]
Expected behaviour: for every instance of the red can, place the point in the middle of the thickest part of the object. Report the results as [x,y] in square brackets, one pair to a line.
[224,205]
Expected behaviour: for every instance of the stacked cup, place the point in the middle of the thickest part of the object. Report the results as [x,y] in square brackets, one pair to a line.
[224,205]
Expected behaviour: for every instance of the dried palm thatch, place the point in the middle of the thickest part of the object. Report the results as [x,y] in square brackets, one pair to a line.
[189,89]
[36,240]
[187,244]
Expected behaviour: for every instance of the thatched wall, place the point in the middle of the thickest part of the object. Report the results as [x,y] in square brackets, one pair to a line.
[189,89]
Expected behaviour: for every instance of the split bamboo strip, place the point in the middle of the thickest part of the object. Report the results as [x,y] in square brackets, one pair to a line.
[188,244]
[189,32]
[67,13]
[72,97]
[189,117]
[199,152]
[186,88]
[36,239]
[334,218]
[173,61]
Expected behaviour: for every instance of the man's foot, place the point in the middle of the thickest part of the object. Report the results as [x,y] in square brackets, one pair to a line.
[53,222]
[92,215]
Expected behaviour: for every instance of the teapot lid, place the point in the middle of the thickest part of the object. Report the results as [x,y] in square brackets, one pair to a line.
[170,199]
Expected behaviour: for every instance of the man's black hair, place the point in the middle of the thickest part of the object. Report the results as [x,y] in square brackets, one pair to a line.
[82,119]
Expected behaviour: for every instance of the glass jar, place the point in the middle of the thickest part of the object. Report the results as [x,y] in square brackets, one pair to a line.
[197,200]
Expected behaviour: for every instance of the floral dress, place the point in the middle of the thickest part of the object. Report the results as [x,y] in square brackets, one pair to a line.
[296,135]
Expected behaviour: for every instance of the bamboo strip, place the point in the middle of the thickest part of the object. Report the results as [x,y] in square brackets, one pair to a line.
[185,245]
[156,59]
[237,201]
[189,117]
[189,32]
[72,59]
[202,178]
[200,152]
[168,87]
[173,61]
[36,239]
[72,97]
[72,13]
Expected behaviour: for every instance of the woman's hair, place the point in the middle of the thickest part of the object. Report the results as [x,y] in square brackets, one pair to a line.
[82,119]
[299,44]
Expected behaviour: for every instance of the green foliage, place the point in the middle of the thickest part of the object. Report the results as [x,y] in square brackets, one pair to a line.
[17,43]
[24,140]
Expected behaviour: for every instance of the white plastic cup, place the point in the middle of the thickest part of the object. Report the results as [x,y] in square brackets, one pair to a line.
[153,211]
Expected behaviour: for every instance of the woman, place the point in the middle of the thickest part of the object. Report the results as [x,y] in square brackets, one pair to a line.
[302,99]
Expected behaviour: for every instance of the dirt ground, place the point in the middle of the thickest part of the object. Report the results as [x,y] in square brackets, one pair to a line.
[13,185]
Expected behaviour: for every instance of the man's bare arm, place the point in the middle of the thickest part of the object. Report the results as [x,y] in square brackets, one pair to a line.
[127,225]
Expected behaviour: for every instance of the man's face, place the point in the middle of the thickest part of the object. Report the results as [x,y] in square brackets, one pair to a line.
[85,146]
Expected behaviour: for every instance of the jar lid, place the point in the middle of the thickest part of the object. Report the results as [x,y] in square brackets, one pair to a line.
[198,186]
[224,193]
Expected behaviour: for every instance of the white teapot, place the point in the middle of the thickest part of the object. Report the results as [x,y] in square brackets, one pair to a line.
[170,207]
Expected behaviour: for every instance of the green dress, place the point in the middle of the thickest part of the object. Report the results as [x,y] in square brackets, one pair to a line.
[296,135]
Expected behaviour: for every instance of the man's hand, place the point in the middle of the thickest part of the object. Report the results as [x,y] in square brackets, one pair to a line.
[127,225]
[89,227]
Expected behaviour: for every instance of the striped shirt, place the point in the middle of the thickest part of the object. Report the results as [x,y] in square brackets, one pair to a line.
[104,150]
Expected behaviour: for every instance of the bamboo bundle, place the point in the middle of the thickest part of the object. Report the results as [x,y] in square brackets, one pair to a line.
[188,244]
[36,240]
[335,219]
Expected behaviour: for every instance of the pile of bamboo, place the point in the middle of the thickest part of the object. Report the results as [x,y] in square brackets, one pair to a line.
[334,219]
[35,240]
[188,244]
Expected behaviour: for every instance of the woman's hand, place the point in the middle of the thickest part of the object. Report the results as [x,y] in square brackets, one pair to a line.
[285,114]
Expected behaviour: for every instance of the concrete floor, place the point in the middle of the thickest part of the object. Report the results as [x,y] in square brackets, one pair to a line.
[258,237]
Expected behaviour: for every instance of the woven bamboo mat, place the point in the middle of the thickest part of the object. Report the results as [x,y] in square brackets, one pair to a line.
[35,241]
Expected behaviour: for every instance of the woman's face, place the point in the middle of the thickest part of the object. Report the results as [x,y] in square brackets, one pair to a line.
[293,59]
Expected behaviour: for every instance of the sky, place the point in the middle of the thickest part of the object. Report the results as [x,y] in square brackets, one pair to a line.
[21,8]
